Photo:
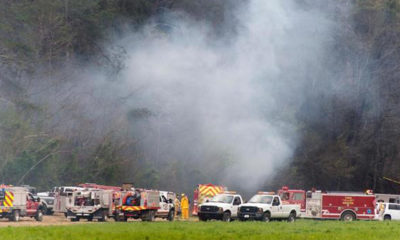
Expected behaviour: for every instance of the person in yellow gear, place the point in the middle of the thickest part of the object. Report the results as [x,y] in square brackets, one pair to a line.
[185,207]
[177,205]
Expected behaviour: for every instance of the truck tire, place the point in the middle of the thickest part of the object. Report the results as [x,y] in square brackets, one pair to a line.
[149,216]
[203,219]
[104,216]
[348,216]
[39,216]
[76,219]
[119,218]
[44,209]
[387,218]
[171,215]
[266,217]
[15,216]
[226,217]
[292,217]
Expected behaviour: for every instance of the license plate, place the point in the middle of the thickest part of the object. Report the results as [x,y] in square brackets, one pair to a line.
[246,216]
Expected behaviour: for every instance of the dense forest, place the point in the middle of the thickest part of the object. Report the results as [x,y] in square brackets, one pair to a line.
[66,115]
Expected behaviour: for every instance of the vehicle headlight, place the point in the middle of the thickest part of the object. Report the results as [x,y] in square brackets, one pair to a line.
[260,210]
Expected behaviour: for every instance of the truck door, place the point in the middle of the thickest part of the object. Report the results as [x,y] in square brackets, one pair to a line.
[276,208]
[31,205]
[236,202]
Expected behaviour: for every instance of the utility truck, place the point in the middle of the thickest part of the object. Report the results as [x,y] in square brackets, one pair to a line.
[16,202]
[138,204]
[265,206]
[222,206]
[90,204]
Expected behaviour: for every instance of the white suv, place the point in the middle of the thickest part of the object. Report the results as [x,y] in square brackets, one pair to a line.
[390,212]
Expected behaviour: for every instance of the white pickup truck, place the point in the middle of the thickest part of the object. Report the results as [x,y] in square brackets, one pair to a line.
[222,207]
[266,206]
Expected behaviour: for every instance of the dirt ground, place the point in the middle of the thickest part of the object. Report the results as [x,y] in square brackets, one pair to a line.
[57,219]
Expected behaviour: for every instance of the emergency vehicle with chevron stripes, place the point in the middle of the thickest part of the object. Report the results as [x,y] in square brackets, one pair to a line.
[17,202]
[138,204]
[204,192]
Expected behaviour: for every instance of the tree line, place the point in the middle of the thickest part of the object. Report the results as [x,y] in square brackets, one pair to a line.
[349,139]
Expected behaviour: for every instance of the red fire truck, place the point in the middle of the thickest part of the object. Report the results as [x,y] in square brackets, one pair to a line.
[204,192]
[345,206]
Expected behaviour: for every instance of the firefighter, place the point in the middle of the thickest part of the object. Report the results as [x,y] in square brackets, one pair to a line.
[177,205]
[185,207]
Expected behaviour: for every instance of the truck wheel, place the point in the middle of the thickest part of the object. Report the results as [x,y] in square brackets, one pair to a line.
[266,217]
[75,219]
[39,216]
[152,216]
[121,218]
[292,217]
[387,218]
[171,215]
[44,209]
[348,217]
[203,219]
[15,216]
[226,217]
[90,219]
[104,216]
[148,216]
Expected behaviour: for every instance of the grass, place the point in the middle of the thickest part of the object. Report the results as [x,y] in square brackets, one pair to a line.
[303,229]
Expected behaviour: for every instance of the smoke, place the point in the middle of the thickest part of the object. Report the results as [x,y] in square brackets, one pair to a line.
[224,103]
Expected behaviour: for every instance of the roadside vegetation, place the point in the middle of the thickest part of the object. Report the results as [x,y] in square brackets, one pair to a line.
[302,229]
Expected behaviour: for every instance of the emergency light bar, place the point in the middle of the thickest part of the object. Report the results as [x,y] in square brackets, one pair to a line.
[266,193]
[229,192]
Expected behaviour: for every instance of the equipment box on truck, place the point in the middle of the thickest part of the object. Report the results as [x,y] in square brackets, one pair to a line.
[265,206]
[16,202]
[343,206]
[139,203]
[90,204]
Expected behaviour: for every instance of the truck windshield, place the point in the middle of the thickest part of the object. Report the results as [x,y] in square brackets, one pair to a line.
[261,199]
[222,198]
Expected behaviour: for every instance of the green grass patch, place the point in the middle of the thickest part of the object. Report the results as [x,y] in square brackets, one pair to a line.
[303,229]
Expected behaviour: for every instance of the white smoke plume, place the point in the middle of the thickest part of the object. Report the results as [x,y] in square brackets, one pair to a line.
[226,98]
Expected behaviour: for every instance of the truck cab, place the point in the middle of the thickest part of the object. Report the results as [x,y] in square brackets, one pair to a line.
[221,207]
[167,207]
[266,206]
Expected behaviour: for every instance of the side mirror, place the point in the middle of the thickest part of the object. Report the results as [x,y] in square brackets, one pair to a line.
[38,199]
[170,201]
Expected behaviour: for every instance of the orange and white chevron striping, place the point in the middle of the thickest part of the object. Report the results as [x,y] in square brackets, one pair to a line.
[132,208]
[9,199]
[210,191]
